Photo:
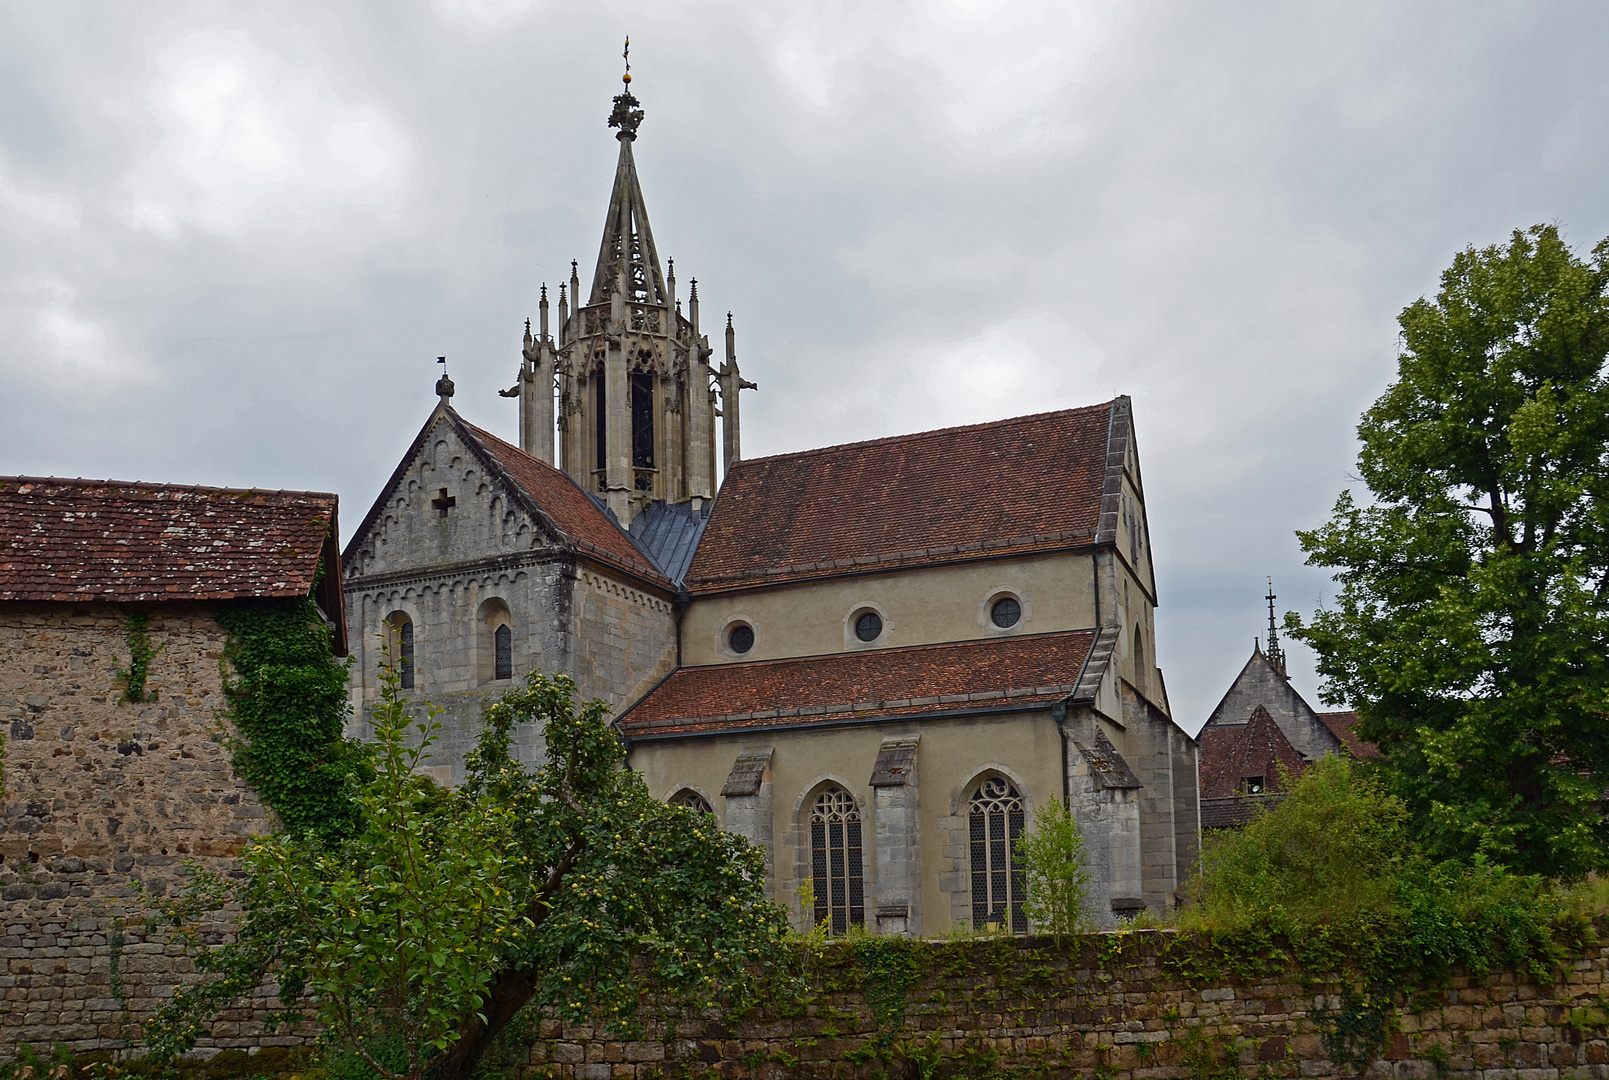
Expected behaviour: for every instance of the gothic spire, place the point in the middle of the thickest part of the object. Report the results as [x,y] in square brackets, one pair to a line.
[628,242]
[1276,655]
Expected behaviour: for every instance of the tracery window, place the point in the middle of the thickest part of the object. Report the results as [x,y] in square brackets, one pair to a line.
[692,800]
[835,860]
[998,887]
[503,647]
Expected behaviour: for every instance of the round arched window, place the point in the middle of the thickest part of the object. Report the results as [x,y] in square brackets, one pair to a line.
[1005,612]
[740,638]
[868,626]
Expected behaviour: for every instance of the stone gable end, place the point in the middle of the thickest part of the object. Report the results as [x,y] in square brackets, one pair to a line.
[477,518]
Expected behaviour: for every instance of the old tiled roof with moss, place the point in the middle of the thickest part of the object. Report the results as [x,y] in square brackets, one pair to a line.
[996,675]
[1032,483]
[1342,725]
[1256,748]
[130,542]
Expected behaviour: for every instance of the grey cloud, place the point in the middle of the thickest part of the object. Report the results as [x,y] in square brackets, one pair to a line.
[237,237]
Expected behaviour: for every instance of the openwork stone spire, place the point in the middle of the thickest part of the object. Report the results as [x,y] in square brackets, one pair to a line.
[627,259]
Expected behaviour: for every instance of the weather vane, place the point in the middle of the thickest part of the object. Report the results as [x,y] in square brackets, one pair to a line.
[626,54]
[626,115]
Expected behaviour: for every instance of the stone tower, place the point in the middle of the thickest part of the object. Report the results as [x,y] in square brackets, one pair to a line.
[638,398]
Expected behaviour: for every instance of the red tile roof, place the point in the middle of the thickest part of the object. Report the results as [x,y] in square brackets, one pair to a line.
[575,516]
[1256,748]
[75,540]
[1028,484]
[1341,725]
[999,674]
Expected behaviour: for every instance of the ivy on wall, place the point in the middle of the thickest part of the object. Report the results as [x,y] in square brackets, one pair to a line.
[287,698]
[141,653]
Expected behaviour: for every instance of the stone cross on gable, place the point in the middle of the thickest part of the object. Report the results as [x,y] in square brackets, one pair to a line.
[444,501]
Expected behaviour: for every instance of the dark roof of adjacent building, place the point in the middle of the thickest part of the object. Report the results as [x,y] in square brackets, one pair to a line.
[1257,748]
[1032,483]
[569,514]
[1342,725]
[129,542]
[668,533]
[996,675]
[1235,812]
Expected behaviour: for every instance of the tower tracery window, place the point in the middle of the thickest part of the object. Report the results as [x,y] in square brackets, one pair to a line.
[835,861]
[995,823]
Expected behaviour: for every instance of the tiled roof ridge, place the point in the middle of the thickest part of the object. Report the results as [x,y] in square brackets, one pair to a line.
[581,544]
[982,547]
[156,486]
[855,708]
[929,434]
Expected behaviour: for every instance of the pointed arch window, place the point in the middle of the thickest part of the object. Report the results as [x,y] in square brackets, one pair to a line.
[995,823]
[835,861]
[692,800]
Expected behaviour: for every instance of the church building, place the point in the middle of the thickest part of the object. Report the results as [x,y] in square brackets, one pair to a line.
[874,661]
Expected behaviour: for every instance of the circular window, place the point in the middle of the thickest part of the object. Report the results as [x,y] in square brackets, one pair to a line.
[868,626]
[741,638]
[1006,612]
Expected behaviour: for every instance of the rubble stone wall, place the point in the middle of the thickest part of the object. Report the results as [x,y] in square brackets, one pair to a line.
[99,793]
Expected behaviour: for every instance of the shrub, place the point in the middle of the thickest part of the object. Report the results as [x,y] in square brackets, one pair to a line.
[1055,873]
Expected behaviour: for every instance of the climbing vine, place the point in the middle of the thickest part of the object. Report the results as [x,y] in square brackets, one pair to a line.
[141,653]
[287,699]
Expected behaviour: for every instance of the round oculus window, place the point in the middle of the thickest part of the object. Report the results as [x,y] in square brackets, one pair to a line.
[741,638]
[868,626]
[1005,612]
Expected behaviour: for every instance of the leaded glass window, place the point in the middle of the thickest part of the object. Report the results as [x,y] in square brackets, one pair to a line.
[405,654]
[995,824]
[503,650]
[835,857]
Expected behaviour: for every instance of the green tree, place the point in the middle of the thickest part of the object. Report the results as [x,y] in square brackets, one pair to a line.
[1055,872]
[565,887]
[1472,619]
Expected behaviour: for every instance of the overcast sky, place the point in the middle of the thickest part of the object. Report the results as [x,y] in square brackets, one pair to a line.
[233,238]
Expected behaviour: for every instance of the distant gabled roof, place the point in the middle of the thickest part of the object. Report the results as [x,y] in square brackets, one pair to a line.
[1229,756]
[548,494]
[129,542]
[1033,483]
[1001,674]
[1341,725]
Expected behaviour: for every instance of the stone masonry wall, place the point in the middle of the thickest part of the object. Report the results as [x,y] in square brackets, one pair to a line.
[99,793]
[1031,1009]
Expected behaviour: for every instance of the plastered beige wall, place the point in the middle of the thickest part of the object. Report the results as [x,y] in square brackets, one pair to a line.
[918,607]
[953,755]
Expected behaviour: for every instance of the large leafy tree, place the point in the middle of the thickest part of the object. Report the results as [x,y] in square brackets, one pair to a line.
[564,887]
[1471,629]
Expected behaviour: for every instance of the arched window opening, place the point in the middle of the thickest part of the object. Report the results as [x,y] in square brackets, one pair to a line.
[998,885]
[399,646]
[692,800]
[503,647]
[1139,659]
[835,861]
[494,644]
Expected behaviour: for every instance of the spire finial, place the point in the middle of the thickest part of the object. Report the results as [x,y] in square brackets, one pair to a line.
[1276,655]
[444,385]
[626,115]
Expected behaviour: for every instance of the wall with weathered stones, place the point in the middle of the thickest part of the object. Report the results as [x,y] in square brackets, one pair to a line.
[1030,1009]
[99,793]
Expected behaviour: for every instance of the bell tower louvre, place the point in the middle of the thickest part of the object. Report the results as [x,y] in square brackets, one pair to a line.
[637,394]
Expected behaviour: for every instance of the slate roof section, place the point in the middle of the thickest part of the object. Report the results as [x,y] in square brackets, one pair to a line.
[129,542]
[997,675]
[1032,483]
[1259,748]
[668,533]
[1341,725]
[1233,813]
